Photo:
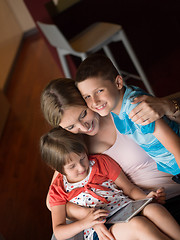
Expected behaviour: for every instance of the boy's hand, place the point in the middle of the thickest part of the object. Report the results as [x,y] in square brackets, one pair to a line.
[95,217]
[149,110]
[159,195]
[102,232]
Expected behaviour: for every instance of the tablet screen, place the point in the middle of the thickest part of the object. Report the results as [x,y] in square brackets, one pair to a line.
[130,210]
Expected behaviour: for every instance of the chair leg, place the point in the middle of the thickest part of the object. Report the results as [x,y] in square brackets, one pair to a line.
[83,56]
[64,63]
[109,55]
[135,61]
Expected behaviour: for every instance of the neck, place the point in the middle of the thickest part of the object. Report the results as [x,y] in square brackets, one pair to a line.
[105,137]
[117,108]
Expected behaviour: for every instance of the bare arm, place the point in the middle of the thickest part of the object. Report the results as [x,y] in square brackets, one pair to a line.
[129,188]
[169,139]
[65,231]
[152,108]
[136,193]
[71,209]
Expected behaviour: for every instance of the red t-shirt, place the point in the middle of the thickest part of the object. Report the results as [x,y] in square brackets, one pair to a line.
[104,168]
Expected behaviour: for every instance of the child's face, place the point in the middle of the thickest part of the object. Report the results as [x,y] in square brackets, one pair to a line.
[77,168]
[102,96]
[80,119]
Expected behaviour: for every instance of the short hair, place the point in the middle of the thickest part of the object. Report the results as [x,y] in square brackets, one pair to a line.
[58,95]
[96,65]
[57,144]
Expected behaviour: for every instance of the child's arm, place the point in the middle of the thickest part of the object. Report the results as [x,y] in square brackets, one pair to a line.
[129,188]
[136,193]
[169,139]
[71,209]
[65,231]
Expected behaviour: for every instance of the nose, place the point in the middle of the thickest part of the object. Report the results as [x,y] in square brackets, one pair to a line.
[95,101]
[81,167]
[83,126]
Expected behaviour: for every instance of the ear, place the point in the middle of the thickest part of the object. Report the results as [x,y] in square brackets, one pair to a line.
[119,82]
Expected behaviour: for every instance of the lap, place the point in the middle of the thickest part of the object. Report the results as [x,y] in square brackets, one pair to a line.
[126,230]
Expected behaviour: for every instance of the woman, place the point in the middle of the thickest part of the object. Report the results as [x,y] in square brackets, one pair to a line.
[63,106]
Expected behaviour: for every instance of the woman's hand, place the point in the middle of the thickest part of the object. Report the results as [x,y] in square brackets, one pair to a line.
[150,109]
[159,195]
[102,232]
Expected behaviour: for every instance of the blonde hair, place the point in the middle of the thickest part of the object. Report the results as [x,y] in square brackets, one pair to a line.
[58,95]
[57,144]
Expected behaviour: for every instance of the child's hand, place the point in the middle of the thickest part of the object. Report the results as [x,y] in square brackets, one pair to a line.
[102,232]
[159,195]
[95,217]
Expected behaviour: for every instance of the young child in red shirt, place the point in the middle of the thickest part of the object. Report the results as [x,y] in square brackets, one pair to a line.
[98,182]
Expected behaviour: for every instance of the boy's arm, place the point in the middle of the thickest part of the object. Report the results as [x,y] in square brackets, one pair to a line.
[65,231]
[169,139]
[151,108]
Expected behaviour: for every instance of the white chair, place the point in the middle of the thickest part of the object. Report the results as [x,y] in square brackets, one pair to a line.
[91,40]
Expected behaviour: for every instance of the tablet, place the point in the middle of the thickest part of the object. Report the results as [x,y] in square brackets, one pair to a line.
[130,210]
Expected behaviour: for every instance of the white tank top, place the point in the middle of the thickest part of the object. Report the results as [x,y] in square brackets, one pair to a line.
[139,167]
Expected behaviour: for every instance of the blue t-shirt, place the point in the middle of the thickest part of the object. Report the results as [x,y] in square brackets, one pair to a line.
[143,135]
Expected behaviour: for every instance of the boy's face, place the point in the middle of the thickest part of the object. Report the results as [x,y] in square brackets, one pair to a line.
[80,119]
[77,168]
[102,96]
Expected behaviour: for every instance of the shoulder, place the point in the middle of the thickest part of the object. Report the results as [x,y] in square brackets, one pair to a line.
[134,90]
[105,166]
[130,93]
[58,181]
[104,161]
[57,194]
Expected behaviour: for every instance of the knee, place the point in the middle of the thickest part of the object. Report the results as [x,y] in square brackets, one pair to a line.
[152,209]
[138,223]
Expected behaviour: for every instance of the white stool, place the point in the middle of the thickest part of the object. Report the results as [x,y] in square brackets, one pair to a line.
[91,40]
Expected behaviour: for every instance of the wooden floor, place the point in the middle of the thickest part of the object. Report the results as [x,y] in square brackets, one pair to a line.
[24,179]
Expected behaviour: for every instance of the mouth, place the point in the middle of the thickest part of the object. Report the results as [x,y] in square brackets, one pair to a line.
[91,128]
[82,172]
[101,107]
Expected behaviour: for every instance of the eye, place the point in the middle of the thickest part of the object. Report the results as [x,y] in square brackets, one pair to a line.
[86,97]
[72,166]
[82,159]
[70,127]
[100,90]
[83,114]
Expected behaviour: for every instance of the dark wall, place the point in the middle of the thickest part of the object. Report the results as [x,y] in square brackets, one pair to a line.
[153,27]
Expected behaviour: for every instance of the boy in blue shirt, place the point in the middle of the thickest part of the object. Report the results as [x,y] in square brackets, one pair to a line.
[103,90]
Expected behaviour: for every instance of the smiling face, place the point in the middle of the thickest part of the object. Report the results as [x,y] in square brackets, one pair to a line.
[102,96]
[80,119]
[77,167]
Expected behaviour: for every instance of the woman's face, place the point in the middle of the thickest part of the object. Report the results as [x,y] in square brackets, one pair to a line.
[80,119]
